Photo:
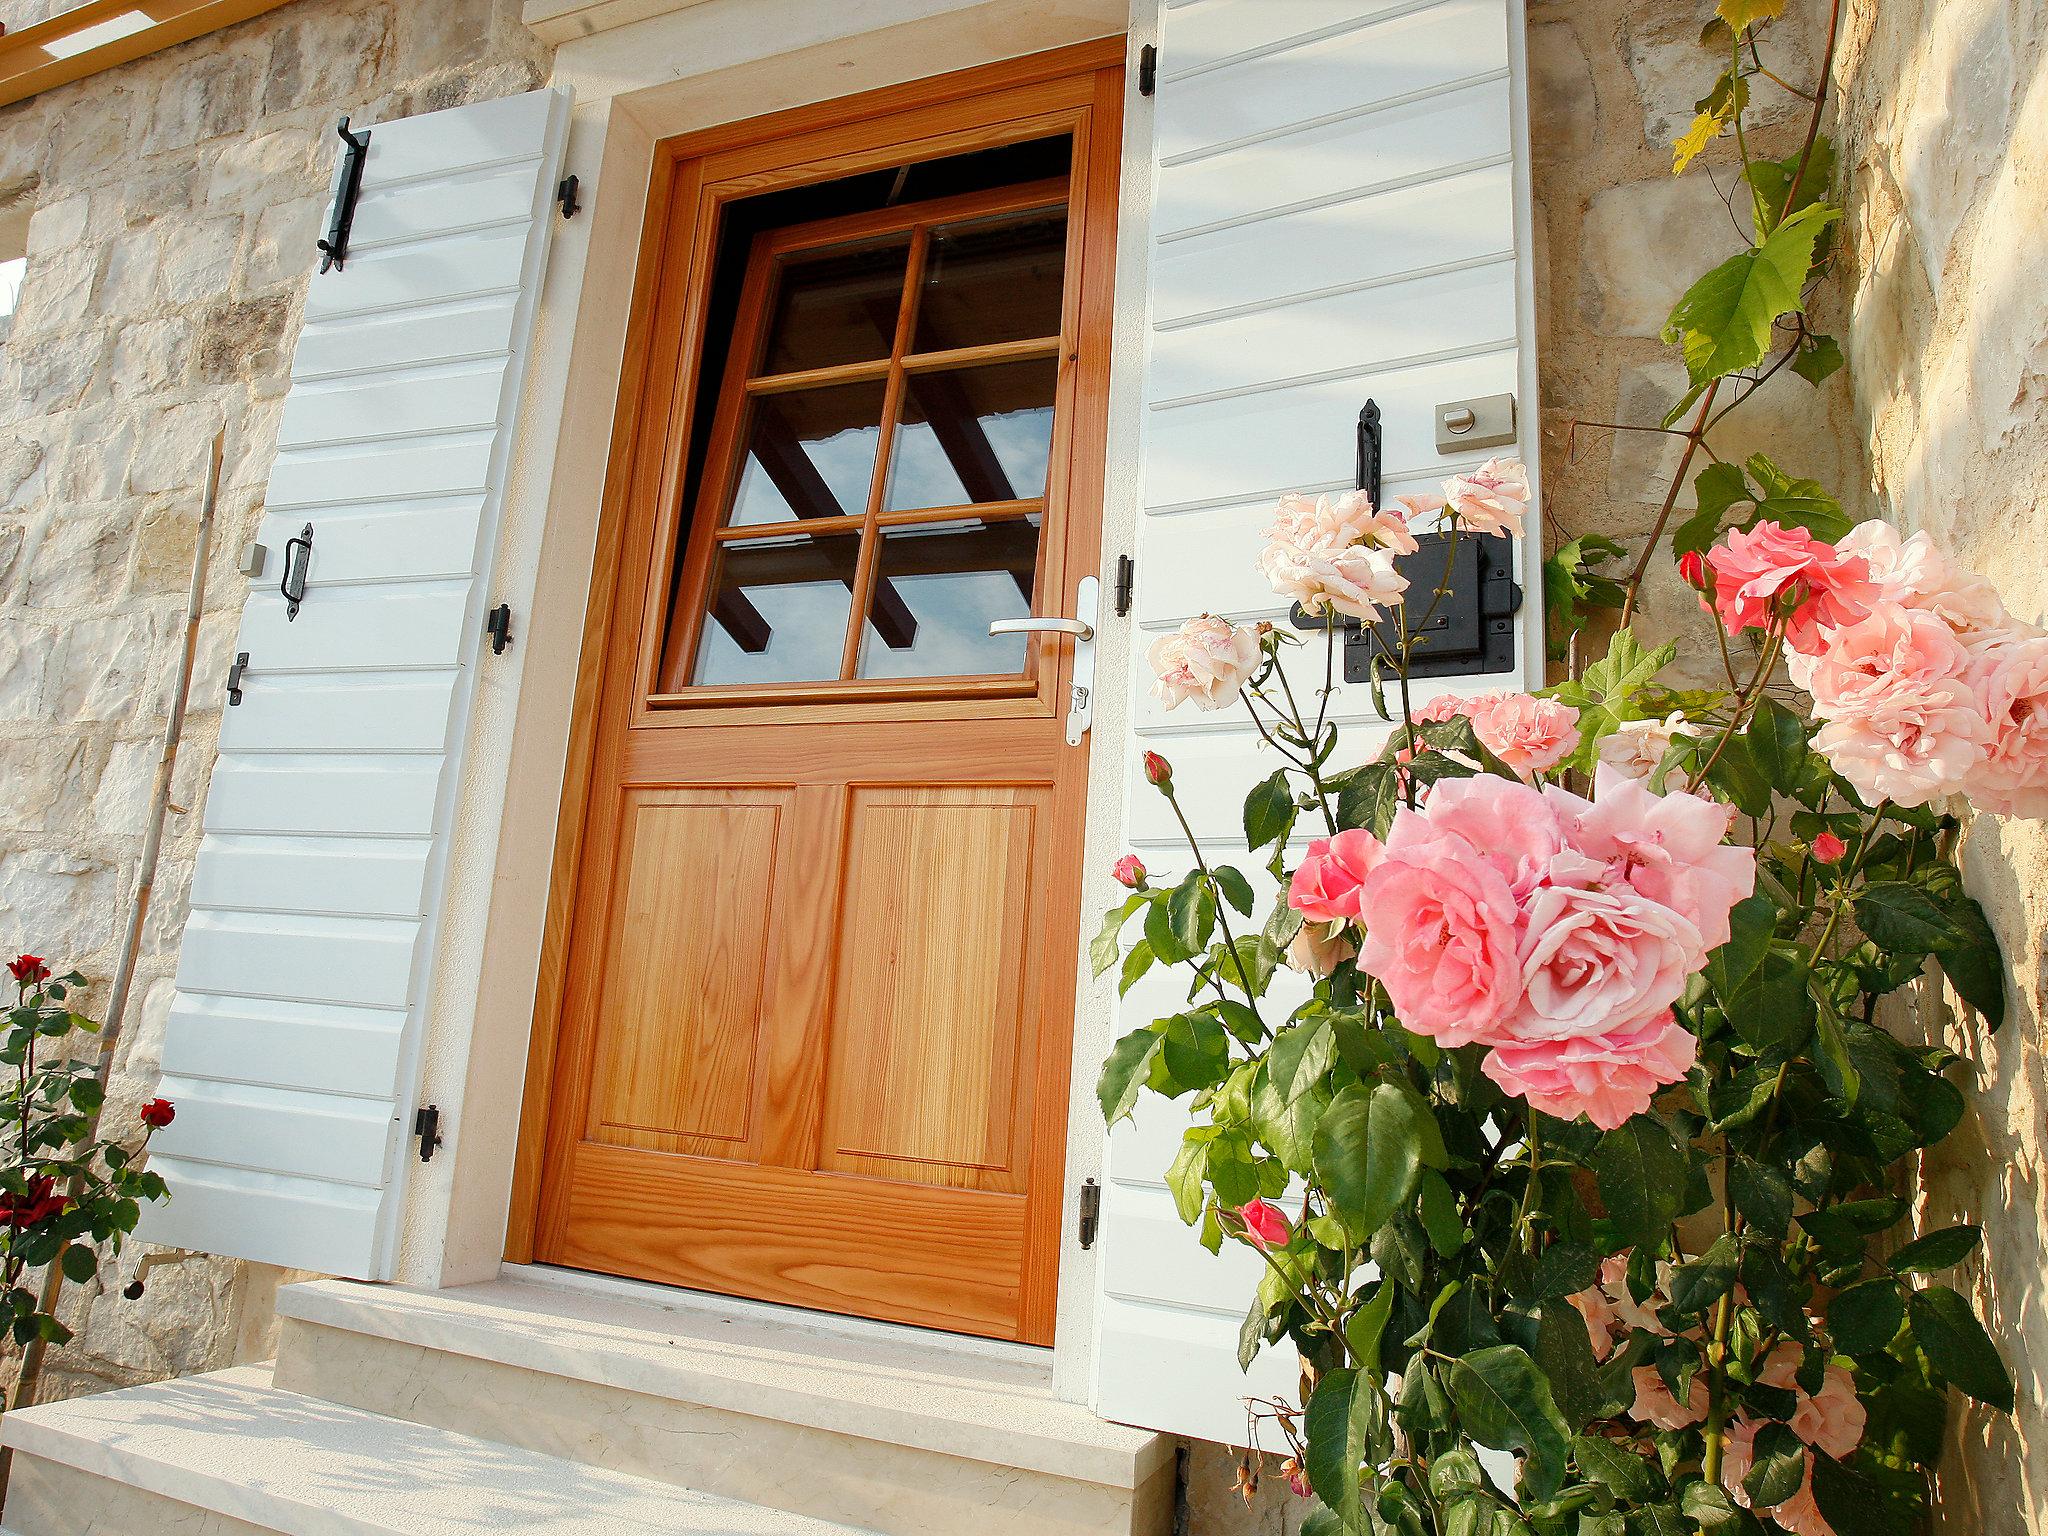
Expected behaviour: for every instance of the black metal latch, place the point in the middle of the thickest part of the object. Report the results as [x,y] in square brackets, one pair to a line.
[1460,608]
[566,195]
[298,555]
[1091,1212]
[499,627]
[426,1125]
[235,677]
[348,186]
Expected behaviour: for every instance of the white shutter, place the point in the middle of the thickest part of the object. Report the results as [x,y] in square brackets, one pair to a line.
[292,1044]
[1340,212]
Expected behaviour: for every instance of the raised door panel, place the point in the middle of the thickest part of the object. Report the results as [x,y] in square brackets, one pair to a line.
[678,1022]
[931,1008]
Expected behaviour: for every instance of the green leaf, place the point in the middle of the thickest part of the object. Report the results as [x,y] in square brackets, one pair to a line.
[1368,1156]
[1937,1250]
[1903,917]
[1196,1050]
[1852,1501]
[1762,1192]
[1777,745]
[80,1263]
[1236,889]
[1819,359]
[1438,1208]
[1191,910]
[1562,1269]
[1698,1283]
[1616,1468]
[1958,1346]
[1130,1063]
[1268,810]
[1865,1318]
[1972,962]
[1837,1067]
[1724,322]
[1299,1056]
[1751,922]
[1106,945]
[1136,964]
[1642,1174]
[1345,1416]
[1741,15]
[1788,500]
[1563,1350]
[1505,1405]
[1779,1466]
[1363,1329]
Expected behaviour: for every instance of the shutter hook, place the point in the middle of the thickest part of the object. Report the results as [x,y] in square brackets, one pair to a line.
[298,555]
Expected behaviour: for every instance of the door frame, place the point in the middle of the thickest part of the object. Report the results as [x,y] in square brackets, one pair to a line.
[1078,88]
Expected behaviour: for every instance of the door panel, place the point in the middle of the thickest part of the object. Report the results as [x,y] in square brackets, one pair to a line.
[817,982]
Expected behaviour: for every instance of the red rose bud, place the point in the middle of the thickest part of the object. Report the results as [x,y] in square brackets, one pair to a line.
[1692,570]
[1265,1225]
[1828,848]
[1130,871]
[1158,770]
[158,1113]
[27,970]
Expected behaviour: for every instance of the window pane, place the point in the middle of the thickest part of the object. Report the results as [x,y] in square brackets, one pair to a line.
[778,610]
[973,435]
[992,280]
[937,588]
[810,453]
[836,306]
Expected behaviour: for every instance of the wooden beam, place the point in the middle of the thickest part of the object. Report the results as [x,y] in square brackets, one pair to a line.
[102,33]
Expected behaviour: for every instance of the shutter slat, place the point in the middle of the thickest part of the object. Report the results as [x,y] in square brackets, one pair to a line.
[291,1047]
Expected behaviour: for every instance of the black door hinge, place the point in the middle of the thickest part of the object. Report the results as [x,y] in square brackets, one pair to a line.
[235,677]
[1126,582]
[1091,1212]
[426,1124]
[1148,69]
[565,194]
[499,627]
[348,186]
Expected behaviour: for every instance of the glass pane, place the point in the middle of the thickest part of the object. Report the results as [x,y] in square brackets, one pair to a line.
[810,453]
[836,306]
[778,610]
[937,588]
[992,280]
[973,435]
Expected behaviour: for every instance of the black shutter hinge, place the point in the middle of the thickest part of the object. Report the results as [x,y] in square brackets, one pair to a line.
[1148,69]
[348,186]
[426,1124]
[235,677]
[1091,1212]
[565,194]
[1126,583]
[499,627]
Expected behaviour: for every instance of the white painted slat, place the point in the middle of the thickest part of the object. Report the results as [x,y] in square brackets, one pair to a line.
[292,1042]
[1338,216]
[1395,59]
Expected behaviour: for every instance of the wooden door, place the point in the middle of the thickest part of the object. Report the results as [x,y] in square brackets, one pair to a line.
[817,975]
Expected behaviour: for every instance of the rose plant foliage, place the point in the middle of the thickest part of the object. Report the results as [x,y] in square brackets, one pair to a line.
[1589,1147]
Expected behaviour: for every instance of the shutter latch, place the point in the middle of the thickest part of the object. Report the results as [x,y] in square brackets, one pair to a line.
[341,208]
[426,1125]
[499,627]
[565,195]
[235,677]
[1091,1212]
[1148,69]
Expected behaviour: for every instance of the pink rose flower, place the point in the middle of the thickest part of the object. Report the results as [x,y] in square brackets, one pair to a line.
[1633,1314]
[2012,682]
[1911,743]
[1914,573]
[1317,949]
[1889,645]
[1336,551]
[1607,1078]
[1655,1404]
[1325,888]
[1207,659]
[1760,574]
[1635,749]
[1529,735]
[1492,499]
[1799,1514]
[1592,1305]
[1832,1419]
[1510,825]
[1668,847]
[1441,936]
[1129,870]
[1596,962]
[1265,1224]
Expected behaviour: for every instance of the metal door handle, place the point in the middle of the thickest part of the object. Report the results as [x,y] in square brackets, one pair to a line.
[1078,628]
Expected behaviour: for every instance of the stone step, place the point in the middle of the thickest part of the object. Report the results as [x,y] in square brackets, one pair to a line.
[231,1454]
[894,1429]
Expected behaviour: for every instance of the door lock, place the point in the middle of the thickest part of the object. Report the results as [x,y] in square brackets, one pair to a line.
[1081,627]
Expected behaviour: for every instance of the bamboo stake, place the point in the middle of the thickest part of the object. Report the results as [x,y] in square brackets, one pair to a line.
[138,903]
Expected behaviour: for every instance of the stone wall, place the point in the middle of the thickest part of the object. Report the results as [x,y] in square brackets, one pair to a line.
[174,205]
[1947,158]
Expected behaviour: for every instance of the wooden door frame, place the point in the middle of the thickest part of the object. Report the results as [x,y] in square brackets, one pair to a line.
[1077,89]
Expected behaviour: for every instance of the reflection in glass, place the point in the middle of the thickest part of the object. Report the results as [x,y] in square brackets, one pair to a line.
[778,610]
[836,306]
[992,280]
[937,588]
[973,435]
[810,453]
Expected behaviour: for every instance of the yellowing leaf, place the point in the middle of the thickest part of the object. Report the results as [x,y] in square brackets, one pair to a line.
[1705,128]
[1741,15]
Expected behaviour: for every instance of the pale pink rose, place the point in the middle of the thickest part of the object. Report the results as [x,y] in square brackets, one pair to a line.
[1207,659]
[1914,573]
[1910,742]
[1445,706]
[1265,1224]
[1607,1078]
[1423,507]
[1440,936]
[1799,1514]
[1668,847]
[1832,1419]
[1655,1404]
[2012,682]
[1760,574]
[1317,949]
[1492,499]
[1633,1314]
[1889,645]
[1336,552]
[1636,748]
[1596,962]
[1325,888]
[1529,735]
[1510,824]
[1592,1304]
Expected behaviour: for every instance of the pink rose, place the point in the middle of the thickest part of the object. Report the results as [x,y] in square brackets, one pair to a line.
[1668,847]
[1492,498]
[1325,887]
[1832,1419]
[1529,735]
[1772,571]
[2012,682]
[1336,552]
[1129,870]
[1631,1313]
[1441,935]
[1910,742]
[1636,748]
[1913,573]
[1596,961]
[1887,646]
[1655,1404]
[1606,1078]
[1509,824]
[1265,1224]
[1799,1514]
[1592,1305]
[1317,949]
[1207,659]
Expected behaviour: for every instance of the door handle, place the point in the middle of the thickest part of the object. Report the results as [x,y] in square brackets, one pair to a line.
[1079,629]
[1081,693]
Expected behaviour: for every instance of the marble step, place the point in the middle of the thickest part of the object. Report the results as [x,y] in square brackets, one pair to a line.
[231,1454]
[896,1430]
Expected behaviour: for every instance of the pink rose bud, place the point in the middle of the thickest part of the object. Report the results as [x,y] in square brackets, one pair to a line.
[1264,1224]
[1158,770]
[1827,848]
[1692,570]
[1130,871]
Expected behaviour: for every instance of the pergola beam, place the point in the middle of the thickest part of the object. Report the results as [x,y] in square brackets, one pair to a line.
[103,33]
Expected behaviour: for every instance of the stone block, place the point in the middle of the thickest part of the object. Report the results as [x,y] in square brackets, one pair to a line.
[120,801]
[1565,107]
[96,144]
[92,464]
[129,284]
[50,373]
[282,251]
[1643,245]
[173,448]
[46,775]
[149,357]
[251,171]
[54,294]
[56,904]
[164,541]
[243,339]
[25,649]
[101,666]
[212,94]
[198,260]
[329,55]
[58,225]
[77,558]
